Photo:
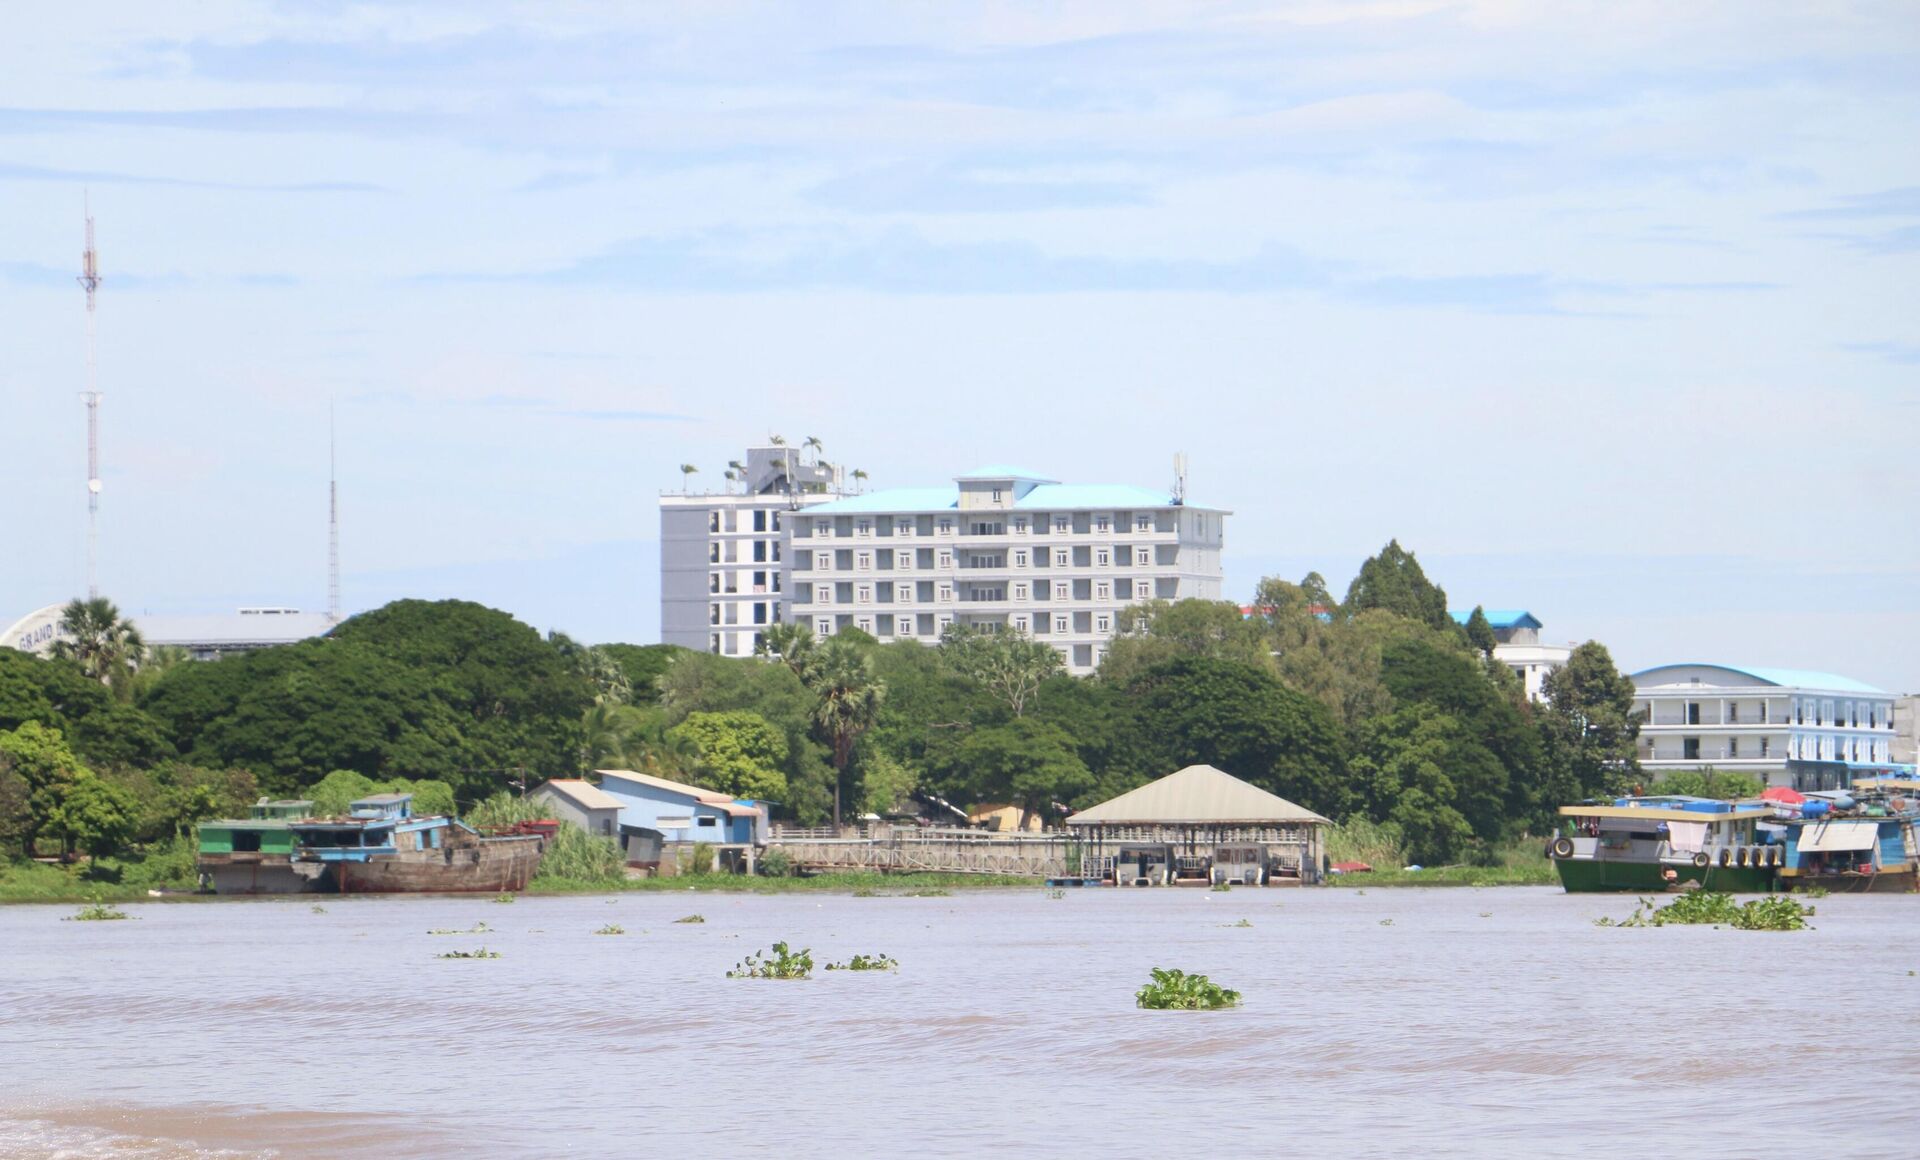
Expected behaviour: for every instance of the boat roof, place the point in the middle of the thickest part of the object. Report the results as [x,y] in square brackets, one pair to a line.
[1664,813]
[1196,795]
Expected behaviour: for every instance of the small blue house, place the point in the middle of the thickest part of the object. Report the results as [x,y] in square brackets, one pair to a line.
[659,817]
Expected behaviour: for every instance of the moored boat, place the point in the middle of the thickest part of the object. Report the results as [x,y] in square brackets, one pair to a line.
[1658,843]
[1860,843]
[253,855]
[381,847]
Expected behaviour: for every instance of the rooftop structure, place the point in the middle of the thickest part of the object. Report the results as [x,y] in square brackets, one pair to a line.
[1519,647]
[1799,728]
[1200,822]
[582,803]
[204,636]
[1001,548]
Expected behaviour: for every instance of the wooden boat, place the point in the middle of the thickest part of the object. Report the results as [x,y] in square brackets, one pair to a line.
[382,848]
[1648,844]
[1859,843]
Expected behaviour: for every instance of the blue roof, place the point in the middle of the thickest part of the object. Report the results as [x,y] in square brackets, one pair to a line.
[1002,471]
[1785,678]
[1500,617]
[1043,497]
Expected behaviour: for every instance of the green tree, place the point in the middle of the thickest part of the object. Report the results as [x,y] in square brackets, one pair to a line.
[1025,762]
[848,698]
[39,758]
[1011,665]
[643,664]
[736,752]
[1156,631]
[596,666]
[106,647]
[1480,633]
[92,814]
[1589,730]
[1394,581]
[1709,782]
[790,644]
[886,785]
[1425,771]
[701,682]
[1447,677]
[1240,719]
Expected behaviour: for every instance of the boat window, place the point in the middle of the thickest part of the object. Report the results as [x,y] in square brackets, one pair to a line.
[246,841]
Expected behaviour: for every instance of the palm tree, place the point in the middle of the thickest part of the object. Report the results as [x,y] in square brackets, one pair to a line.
[859,477]
[849,699]
[105,647]
[790,644]
[737,470]
[814,445]
[687,471]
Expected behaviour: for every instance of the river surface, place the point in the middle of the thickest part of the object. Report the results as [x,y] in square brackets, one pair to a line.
[1452,1022]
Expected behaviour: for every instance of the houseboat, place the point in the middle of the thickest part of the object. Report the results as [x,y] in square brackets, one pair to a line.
[253,855]
[1656,843]
[382,848]
[1862,843]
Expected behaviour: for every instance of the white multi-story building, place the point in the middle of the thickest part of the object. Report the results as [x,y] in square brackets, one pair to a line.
[1001,548]
[723,567]
[1519,647]
[1804,730]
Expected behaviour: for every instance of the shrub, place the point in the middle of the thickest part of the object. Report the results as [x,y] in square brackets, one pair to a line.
[98,912]
[776,864]
[1175,990]
[779,963]
[702,858]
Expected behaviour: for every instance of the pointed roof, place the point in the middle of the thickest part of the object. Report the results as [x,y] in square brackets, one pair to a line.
[1197,794]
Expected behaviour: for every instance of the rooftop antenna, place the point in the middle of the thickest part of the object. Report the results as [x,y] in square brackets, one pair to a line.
[90,282]
[1180,477]
[333,527]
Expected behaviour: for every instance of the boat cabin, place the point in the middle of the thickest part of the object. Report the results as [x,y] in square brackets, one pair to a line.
[1143,864]
[380,824]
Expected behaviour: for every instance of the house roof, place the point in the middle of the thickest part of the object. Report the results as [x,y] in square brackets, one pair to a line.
[1196,794]
[710,797]
[584,794]
[1785,678]
[1499,617]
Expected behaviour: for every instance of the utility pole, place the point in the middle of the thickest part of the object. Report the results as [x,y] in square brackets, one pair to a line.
[90,282]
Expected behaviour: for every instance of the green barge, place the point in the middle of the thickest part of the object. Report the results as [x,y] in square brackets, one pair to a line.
[1650,844]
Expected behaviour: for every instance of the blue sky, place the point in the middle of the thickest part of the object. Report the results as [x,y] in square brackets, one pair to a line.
[1604,309]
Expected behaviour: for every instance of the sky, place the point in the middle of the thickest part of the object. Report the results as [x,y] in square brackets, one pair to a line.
[1606,310]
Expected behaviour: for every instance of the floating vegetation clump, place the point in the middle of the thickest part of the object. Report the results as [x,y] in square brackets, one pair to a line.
[1242,923]
[317,909]
[936,892]
[1175,990]
[1712,908]
[1222,887]
[1386,922]
[503,898]
[476,928]
[692,918]
[482,953]
[1811,891]
[865,892]
[1056,894]
[612,928]
[98,912]
[782,962]
[866,963]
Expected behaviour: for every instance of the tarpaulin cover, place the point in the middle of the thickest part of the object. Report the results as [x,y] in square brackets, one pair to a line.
[1824,837]
[1687,837]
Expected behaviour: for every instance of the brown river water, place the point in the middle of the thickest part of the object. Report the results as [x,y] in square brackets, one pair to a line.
[1450,1022]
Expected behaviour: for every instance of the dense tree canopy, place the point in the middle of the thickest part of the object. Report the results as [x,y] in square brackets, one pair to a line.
[1395,582]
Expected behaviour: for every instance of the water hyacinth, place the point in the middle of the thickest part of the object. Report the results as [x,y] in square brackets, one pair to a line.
[1175,990]
[782,962]
[482,953]
[1712,908]
[98,912]
[866,963]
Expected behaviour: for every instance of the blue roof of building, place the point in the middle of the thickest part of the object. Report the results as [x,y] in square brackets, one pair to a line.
[1785,678]
[1002,471]
[1500,617]
[1043,497]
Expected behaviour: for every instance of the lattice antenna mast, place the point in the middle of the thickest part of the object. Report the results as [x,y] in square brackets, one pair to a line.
[90,282]
[333,528]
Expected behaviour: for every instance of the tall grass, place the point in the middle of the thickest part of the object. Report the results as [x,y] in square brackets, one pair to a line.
[575,859]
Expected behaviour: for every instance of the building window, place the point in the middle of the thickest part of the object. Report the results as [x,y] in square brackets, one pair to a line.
[1019,591]
[996,495]
[946,526]
[863,561]
[1103,623]
[946,558]
[946,593]
[823,594]
[822,529]
[1733,712]
[1102,558]
[905,528]
[1733,747]
[863,623]
[823,626]
[1143,557]
[1060,557]
[1103,523]
[1019,623]
[1143,523]
[1765,745]
[863,594]
[1019,525]
[943,622]
[1020,558]
[1103,591]
[863,528]
[1062,590]
[1062,525]
[1059,624]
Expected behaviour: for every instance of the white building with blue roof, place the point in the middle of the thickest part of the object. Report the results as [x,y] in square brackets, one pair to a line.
[1792,727]
[1520,647]
[1000,548]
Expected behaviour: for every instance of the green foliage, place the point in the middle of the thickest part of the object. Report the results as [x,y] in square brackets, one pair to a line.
[573,857]
[476,928]
[1010,664]
[1175,990]
[1709,782]
[694,919]
[93,814]
[866,963]
[642,664]
[700,682]
[482,953]
[1588,732]
[1158,632]
[848,695]
[776,863]
[778,963]
[886,785]
[1421,770]
[1480,633]
[1242,720]
[612,928]
[701,861]
[106,647]
[38,757]
[1025,762]
[737,752]
[1705,907]
[98,912]
[1395,582]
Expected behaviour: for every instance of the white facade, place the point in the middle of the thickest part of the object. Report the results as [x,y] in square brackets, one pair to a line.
[723,562]
[1002,549]
[1520,649]
[1805,730]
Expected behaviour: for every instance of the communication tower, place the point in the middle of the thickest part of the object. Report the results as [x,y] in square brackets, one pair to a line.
[90,282]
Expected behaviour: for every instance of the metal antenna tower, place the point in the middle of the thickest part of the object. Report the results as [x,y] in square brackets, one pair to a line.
[90,282]
[333,528]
